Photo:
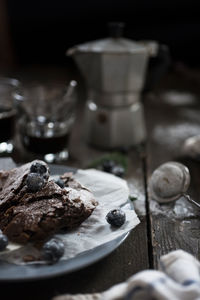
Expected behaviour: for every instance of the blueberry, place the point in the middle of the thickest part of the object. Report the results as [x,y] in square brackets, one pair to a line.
[116,217]
[111,167]
[118,171]
[53,250]
[34,182]
[39,168]
[3,241]
[60,182]
[108,165]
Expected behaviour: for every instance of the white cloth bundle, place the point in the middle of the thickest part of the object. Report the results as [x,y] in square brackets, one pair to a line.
[178,279]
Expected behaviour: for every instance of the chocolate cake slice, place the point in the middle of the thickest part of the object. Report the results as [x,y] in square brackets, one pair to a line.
[29,215]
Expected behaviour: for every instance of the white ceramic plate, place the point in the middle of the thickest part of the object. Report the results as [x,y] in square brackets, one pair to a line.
[11,272]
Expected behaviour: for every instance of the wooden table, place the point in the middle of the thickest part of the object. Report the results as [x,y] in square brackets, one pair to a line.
[172,114]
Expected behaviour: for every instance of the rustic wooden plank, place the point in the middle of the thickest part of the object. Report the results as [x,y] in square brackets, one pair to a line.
[172,116]
[171,234]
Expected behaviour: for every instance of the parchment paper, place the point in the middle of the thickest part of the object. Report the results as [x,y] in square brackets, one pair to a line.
[110,192]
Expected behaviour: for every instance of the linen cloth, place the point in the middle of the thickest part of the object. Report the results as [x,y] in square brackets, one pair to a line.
[177,279]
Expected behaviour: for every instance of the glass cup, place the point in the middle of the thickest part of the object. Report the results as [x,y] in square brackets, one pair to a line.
[48,114]
[9,89]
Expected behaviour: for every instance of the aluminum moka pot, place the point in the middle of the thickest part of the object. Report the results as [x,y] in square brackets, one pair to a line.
[114,70]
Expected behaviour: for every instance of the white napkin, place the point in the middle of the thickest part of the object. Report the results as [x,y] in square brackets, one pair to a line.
[178,279]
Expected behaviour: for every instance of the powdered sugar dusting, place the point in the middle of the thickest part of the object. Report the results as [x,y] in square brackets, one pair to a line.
[110,192]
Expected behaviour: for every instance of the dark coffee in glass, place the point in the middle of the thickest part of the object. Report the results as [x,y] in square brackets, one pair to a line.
[49,113]
[7,123]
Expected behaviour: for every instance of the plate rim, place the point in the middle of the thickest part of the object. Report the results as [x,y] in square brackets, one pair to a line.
[96,254]
[58,272]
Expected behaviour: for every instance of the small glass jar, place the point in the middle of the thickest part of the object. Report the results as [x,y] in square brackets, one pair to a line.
[47,119]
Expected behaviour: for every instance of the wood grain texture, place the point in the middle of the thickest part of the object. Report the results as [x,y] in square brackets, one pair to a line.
[172,116]
[171,234]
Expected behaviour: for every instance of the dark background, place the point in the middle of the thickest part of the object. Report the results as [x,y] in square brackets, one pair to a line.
[41,31]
